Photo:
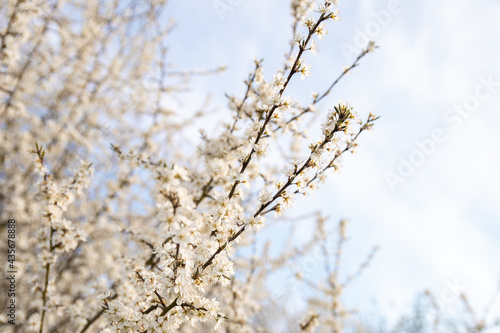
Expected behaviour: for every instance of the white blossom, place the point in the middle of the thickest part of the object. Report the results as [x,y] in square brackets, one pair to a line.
[130,219]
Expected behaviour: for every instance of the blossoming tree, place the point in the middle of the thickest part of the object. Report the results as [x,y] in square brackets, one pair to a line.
[117,230]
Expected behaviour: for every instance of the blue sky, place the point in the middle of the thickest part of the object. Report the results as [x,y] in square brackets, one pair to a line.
[442,221]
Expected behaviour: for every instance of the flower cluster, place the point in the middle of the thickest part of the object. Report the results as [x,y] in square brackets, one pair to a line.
[56,236]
